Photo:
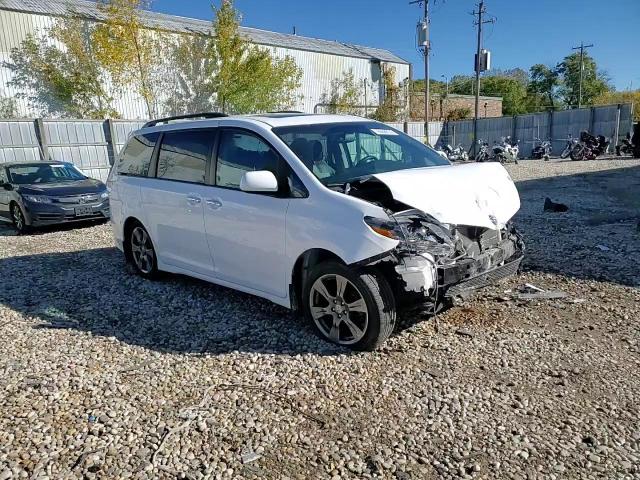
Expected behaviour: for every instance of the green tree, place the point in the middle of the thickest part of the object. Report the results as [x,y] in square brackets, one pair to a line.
[542,89]
[61,78]
[8,108]
[128,51]
[190,84]
[594,81]
[248,78]
[512,91]
[614,97]
[389,109]
[344,96]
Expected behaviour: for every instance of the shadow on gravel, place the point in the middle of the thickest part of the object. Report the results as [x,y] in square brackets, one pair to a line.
[597,239]
[92,291]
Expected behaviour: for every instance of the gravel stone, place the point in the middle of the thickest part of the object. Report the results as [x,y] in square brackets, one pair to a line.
[106,375]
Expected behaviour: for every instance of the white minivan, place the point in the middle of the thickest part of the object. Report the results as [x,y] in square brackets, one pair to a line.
[343,218]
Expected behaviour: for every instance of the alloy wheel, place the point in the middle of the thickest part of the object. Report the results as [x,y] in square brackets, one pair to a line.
[338,309]
[142,250]
[18,218]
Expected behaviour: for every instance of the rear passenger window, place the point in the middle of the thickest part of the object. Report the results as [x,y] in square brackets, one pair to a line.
[136,157]
[183,155]
[242,152]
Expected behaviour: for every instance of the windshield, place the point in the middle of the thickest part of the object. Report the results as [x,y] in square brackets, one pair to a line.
[338,153]
[44,173]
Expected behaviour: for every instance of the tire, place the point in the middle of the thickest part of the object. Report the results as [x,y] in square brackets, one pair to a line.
[577,153]
[18,219]
[141,253]
[546,158]
[335,316]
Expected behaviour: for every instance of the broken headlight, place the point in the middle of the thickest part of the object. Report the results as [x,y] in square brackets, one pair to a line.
[416,232]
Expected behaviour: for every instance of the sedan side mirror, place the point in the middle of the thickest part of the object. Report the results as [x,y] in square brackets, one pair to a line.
[259,181]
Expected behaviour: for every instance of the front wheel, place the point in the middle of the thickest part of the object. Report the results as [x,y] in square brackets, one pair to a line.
[351,307]
[577,153]
[18,219]
[142,254]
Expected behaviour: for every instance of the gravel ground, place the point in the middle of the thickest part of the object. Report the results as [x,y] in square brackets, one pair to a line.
[106,375]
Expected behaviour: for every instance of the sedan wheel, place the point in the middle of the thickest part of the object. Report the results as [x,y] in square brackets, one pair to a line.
[142,252]
[17,216]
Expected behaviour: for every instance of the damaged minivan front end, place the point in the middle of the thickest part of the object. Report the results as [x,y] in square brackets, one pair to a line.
[437,261]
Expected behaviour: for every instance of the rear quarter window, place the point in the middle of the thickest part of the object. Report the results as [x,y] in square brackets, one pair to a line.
[135,159]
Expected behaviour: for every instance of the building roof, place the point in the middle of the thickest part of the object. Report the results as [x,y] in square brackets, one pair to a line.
[174,23]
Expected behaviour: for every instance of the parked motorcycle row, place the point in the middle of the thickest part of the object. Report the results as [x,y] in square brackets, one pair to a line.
[585,147]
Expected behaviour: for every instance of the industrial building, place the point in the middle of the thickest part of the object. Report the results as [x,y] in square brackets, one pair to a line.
[321,61]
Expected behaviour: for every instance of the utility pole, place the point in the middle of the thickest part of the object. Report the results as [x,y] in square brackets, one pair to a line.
[425,46]
[581,48]
[481,11]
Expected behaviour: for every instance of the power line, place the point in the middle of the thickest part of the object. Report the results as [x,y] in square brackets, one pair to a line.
[582,47]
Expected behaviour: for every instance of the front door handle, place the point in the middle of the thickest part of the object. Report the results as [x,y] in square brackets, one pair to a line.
[214,203]
[193,200]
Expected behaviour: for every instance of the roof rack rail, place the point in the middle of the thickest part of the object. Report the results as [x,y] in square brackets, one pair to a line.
[286,111]
[159,121]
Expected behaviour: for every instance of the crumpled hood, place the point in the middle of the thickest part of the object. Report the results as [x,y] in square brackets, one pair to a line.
[474,194]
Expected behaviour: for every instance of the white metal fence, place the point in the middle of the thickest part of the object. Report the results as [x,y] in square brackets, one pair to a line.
[92,145]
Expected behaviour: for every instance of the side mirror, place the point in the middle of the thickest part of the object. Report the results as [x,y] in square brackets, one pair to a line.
[259,181]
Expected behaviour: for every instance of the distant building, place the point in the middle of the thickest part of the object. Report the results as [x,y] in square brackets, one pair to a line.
[442,106]
[321,61]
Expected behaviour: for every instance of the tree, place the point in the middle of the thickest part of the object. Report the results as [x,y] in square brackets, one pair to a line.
[458,113]
[128,51]
[345,95]
[391,104]
[191,83]
[594,81]
[512,91]
[629,96]
[248,78]
[61,77]
[542,88]
[8,108]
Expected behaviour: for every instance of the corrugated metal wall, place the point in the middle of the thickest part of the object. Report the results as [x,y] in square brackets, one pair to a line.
[318,69]
[18,141]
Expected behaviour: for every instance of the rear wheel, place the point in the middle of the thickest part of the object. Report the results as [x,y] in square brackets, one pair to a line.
[18,218]
[350,307]
[142,253]
[577,153]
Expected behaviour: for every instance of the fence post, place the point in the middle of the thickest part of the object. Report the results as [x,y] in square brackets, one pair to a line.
[515,128]
[453,133]
[41,135]
[405,127]
[592,115]
[110,139]
[616,129]
[551,126]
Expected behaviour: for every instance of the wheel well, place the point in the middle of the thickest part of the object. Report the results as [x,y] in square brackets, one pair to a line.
[301,268]
[128,226]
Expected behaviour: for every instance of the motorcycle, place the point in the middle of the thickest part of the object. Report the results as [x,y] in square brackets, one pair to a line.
[506,151]
[589,147]
[458,154]
[626,147]
[542,150]
[483,152]
[571,144]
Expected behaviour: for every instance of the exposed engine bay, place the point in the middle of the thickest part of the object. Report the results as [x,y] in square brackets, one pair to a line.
[433,259]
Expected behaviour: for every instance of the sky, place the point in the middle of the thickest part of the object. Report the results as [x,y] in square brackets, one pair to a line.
[526,32]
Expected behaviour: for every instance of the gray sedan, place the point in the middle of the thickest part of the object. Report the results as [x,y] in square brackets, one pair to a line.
[49,193]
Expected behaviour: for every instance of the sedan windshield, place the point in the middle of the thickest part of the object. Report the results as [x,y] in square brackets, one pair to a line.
[338,153]
[44,173]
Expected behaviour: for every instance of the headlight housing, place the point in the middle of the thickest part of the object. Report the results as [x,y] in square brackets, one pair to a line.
[417,232]
[104,195]
[37,198]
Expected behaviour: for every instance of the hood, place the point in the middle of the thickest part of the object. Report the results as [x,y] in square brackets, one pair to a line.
[64,189]
[473,194]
